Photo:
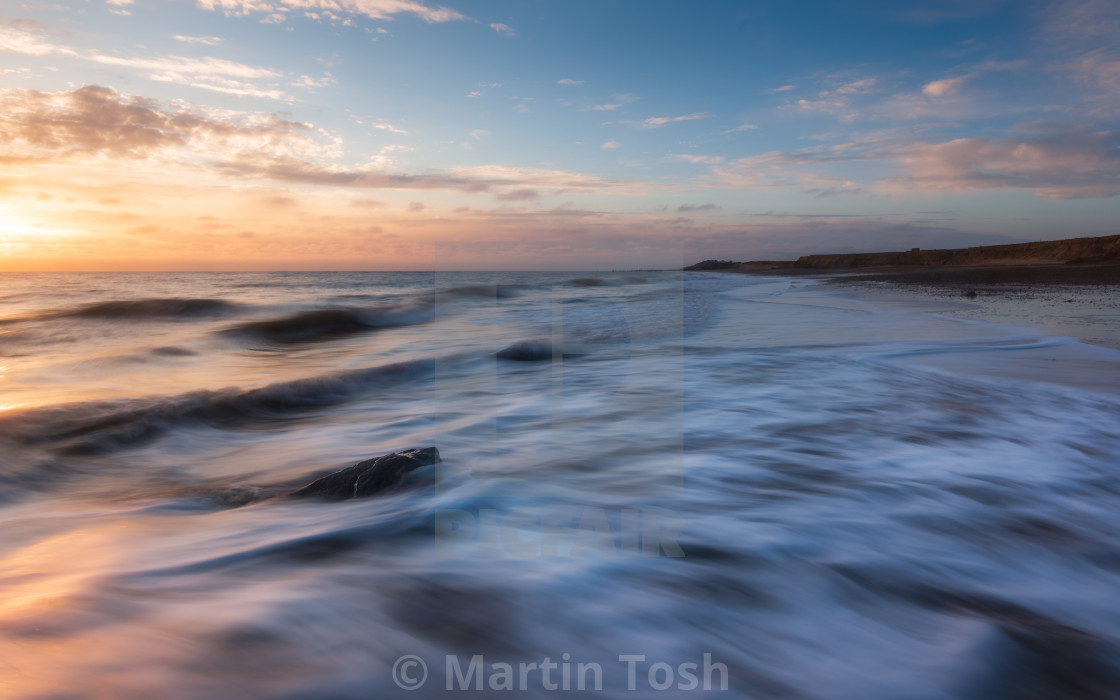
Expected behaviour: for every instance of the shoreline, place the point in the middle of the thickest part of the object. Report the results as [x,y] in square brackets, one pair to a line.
[1076,301]
[1036,319]
[1080,300]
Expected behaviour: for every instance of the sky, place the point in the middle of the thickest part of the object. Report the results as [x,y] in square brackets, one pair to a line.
[540,134]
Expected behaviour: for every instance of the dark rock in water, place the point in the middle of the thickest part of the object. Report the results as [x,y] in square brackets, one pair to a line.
[527,351]
[370,477]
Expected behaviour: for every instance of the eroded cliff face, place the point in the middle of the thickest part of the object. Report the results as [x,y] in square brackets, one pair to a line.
[1099,249]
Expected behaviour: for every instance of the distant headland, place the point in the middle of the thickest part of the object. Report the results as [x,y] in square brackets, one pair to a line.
[1100,249]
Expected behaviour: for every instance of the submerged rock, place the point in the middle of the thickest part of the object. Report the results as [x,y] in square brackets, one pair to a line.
[370,477]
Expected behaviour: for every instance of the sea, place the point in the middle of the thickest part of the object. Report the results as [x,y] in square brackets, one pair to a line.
[653,484]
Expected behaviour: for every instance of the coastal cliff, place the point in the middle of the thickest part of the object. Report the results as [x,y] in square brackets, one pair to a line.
[1101,249]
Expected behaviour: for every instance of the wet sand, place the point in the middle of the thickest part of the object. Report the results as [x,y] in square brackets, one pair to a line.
[1082,301]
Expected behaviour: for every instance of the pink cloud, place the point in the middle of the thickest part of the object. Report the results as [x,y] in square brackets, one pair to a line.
[945,86]
[1075,162]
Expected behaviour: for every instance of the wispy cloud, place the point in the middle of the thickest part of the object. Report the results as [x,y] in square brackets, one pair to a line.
[688,208]
[207,40]
[864,86]
[742,127]
[605,107]
[179,65]
[306,81]
[222,85]
[708,160]
[1062,162]
[374,9]
[386,126]
[838,101]
[208,73]
[610,144]
[782,88]
[1081,38]
[502,28]
[569,81]
[1053,160]
[26,38]
[657,122]
[519,195]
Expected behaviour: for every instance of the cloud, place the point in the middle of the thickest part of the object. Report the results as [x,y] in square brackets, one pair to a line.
[783,88]
[1081,21]
[118,3]
[208,73]
[194,67]
[256,165]
[742,127]
[946,86]
[618,101]
[569,81]
[697,207]
[859,87]
[306,81]
[386,126]
[478,134]
[1082,36]
[502,28]
[709,160]
[25,37]
[207,40]
[610,144]
[474,94]
[415,206]
[373,9]
[838,101]
[658,122]
[521,195]
[1100,69]
[98,120]
[1066,163]
[1053,160]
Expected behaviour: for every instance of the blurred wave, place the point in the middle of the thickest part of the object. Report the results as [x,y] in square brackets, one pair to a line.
[832,499]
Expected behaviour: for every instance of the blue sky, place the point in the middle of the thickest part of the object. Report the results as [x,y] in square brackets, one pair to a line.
[393,134]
